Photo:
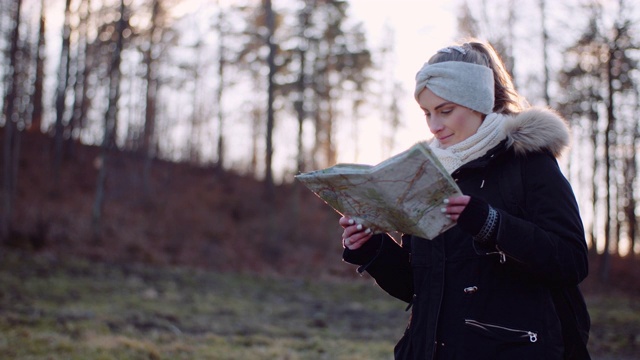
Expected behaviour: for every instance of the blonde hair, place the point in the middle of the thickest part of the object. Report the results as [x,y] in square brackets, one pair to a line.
[507,99]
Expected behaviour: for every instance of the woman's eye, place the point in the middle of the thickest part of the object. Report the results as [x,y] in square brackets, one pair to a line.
[446,111]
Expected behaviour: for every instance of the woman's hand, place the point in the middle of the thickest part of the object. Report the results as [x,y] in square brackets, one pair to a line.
[354,235]
[455,205]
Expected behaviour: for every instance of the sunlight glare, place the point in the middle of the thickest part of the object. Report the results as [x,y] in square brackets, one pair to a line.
[421,28]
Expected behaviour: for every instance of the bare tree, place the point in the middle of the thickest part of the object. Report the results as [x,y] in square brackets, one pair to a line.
[270,22]
[390,93]
[110,116]
[196,120]
[597,74]
[36,99]
[222,63]
[337,56]
[150,59]
[301,84]
[11,142]
[81,86]
[481,25]
[631,179]
[61,90]
[243,38]
[545,52]
[618,83]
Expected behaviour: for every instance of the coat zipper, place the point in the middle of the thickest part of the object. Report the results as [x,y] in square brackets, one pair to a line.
[533,336]
[503,256]
[444,267]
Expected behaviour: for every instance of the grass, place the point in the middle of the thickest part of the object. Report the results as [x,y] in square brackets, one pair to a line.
[615,330]
[72,309]
[78,310]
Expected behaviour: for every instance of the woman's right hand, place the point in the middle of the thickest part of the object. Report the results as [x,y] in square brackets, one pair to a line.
[354,234]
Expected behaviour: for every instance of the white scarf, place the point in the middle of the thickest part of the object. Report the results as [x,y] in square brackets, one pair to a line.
[489,134]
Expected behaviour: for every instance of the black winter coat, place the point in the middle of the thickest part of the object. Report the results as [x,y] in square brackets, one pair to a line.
[475,301]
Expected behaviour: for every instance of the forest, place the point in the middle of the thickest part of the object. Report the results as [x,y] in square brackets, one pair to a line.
[166,133]
[130,122]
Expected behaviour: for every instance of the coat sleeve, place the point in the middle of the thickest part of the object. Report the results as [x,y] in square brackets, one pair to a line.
[549,243]
[387,262]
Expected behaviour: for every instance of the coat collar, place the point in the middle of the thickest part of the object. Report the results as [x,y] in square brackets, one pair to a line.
[535,130]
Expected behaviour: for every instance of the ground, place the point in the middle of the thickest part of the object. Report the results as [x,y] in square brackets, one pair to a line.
[199,264]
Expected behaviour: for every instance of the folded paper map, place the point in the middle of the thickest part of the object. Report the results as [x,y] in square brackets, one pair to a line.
[403,193]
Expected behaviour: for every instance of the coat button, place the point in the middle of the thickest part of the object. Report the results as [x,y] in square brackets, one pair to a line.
[470,289]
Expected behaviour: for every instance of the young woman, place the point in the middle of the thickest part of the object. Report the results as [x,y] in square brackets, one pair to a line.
[503,282]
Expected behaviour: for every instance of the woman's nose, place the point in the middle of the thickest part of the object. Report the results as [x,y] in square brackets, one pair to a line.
[434,125]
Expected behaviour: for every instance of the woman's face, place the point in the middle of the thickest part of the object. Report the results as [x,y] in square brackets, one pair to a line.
[449,122]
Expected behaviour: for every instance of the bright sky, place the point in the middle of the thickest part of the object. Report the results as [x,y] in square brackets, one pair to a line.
[421,28]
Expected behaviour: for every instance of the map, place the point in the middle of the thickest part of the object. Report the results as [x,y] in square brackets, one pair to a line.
[403,193]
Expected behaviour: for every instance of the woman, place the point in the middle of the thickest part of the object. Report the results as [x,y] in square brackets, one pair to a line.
[503,282]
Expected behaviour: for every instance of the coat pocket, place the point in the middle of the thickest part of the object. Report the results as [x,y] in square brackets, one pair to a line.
[502,333]
[484,341]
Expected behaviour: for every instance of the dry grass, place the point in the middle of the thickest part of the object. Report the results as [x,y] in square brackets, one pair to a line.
[72,309]
[52,309]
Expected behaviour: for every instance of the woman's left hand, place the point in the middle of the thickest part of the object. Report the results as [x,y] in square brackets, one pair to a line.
[354,235]
[455,205]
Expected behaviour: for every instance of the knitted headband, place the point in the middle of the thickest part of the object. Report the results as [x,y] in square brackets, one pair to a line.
[463,83]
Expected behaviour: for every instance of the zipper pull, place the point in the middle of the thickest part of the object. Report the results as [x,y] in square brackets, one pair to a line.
[413,298]
[533,337]
[503,257]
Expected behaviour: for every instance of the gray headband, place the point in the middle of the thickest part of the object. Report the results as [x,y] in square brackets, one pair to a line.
[463,83]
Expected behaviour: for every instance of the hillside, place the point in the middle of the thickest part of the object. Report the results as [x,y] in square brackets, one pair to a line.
[194,216]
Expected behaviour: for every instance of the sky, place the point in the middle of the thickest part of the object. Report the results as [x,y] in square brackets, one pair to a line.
[421,27]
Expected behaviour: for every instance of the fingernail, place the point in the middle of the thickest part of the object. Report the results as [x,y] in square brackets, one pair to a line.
[368,231]
[445,201]
[351,222]
[448,216]
[444,210]
[359,227]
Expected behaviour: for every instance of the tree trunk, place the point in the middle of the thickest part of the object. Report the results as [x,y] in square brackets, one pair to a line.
[631,177]
[110,119]
[151,94]
[594,181]
[299,107]
[36,116]
[608,140]
[195,143]
[10,129]
[545,52]
[256,121]
[220,90]
[80,86]
[270,17]
[63,83]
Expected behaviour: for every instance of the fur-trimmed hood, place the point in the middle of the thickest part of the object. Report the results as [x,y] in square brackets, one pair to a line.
[537,129]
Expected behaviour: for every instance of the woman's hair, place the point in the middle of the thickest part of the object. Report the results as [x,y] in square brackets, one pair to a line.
[507,99]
